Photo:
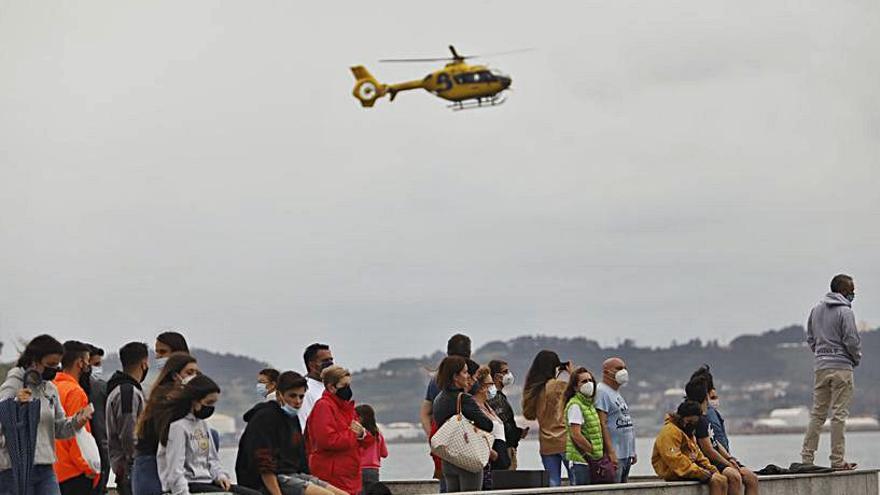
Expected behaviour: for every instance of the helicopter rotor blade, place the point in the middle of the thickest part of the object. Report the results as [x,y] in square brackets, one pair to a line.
[414,60]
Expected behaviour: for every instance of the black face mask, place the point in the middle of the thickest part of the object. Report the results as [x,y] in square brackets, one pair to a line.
[48,374]
[144,376]
[85,380]
[204,413]
[344,393]
[326,364]
[688,429]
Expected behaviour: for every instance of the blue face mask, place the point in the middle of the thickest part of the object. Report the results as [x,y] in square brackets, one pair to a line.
[289,410]
[160,362]
[262,390]
[851,297]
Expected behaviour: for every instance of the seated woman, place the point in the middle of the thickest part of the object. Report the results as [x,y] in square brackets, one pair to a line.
[187,459]
[272,452]
[676,456]
[585,437]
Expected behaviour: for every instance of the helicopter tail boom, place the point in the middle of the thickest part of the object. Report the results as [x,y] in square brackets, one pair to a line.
[366,88]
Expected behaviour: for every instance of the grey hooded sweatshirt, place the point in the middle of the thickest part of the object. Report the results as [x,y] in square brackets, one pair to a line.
[832,334]
[54,423]
[189,456]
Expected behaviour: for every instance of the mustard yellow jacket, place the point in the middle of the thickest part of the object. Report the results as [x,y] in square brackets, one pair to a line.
[676,456]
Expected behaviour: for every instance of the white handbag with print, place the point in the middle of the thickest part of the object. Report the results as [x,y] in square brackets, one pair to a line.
[461,443]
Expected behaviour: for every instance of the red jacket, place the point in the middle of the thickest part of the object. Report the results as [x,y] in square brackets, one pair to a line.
[70,462]
[333,448]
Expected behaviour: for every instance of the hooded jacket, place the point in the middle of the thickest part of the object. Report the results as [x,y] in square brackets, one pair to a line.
[125,403]
[676,455]
[272,442]
[71,463]
[333,448]
[54,423]
[189,456]
[832,334]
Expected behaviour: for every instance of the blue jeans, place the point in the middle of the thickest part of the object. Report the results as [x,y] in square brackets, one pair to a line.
[623,466]
[553,465]
[580,475]
[43,481]
[145,476]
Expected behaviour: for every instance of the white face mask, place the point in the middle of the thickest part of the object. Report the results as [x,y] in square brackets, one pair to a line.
[492,391]
[622,377]
[97,371]
[716,403]
[507,380]
[587,389]
[262,389]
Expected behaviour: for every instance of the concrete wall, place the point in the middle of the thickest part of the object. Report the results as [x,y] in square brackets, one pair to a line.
[861,482]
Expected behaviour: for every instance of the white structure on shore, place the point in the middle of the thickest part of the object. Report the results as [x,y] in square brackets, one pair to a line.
[799,418]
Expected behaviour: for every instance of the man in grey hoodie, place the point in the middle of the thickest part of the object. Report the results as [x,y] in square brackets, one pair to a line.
[837,349]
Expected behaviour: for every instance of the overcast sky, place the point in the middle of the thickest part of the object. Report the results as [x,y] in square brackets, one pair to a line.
[661,170]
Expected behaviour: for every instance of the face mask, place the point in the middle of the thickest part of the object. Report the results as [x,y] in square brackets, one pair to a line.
[587,389]
[187,379]
[160,362]
[715,403]
[144,376]
[326,364]
[851,297]
[97,371]
[344,393]
[507,380]
[289,410]
[48,374]
[622,377]
[262,390]
[492,392]
[204,413]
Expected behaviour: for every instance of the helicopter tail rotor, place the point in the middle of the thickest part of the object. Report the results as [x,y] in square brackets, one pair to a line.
[367,89]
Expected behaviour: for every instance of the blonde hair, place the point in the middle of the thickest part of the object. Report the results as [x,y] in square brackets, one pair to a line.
[481,374]
[333,375]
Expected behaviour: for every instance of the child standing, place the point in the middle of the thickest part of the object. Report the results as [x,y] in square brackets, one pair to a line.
[374,452]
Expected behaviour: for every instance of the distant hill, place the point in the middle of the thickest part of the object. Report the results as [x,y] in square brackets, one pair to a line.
[756,373]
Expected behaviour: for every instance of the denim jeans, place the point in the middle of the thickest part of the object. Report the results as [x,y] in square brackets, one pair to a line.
[553,465]
[43,481]
[145,476]
[623,466]
[580,474]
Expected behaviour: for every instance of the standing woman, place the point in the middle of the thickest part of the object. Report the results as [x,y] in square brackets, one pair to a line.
[543,400]
[167,343]
[188,461]
[453,379]
[585,437]
[334,434]
[30,382]
[179,367]
[499,459]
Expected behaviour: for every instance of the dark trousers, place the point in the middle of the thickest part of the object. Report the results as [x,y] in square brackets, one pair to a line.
[76,486]
[212,488]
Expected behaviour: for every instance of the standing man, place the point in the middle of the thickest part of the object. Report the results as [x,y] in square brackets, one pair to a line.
[125,403]
[837,349]
[502,377]
[97,393]
[317,357]
[75,477]
[619,435]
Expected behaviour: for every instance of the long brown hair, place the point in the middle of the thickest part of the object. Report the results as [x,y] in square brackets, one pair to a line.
[544,368]
[180,403]
[164,385]
[573,386]
[368,418]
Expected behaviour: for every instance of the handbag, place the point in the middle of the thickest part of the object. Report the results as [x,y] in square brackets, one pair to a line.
[462,444]
[602,471]
[89,449]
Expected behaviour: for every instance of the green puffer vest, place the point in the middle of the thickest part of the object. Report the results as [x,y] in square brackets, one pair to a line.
[591,430]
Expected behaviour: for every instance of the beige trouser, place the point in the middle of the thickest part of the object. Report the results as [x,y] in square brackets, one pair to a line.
[834,390]
[512,453]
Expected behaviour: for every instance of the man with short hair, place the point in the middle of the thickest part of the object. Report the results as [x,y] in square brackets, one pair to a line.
[502,377]
[125,403]
[317,357]
[618,436]
[837,349]
[272,450]
[97,393]
[75,476]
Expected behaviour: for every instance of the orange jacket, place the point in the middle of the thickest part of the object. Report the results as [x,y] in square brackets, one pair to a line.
[70,462]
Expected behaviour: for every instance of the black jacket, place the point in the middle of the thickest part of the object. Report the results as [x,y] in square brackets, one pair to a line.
[502,407]
[445,407]
[272,442]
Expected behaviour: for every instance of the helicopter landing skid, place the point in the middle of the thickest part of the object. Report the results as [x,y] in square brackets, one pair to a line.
[484,102]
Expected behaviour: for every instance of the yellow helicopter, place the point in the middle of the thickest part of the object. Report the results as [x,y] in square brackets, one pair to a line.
[466,86]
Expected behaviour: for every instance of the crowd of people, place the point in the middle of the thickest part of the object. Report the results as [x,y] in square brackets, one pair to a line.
[63,428]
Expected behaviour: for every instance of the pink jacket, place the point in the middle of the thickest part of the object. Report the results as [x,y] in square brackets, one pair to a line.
[373,453]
